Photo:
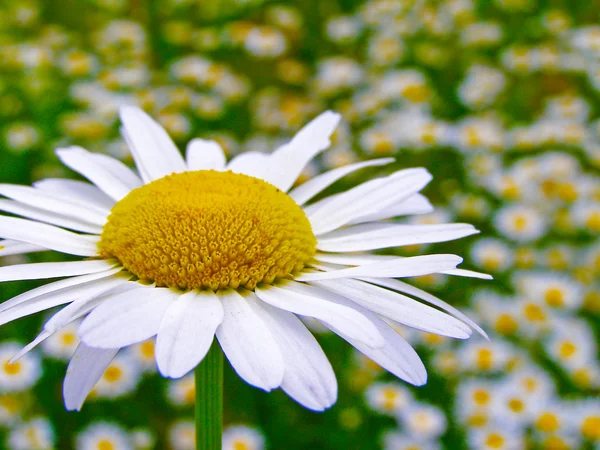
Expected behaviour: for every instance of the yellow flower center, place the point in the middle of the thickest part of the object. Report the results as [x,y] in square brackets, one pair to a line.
[494,440]
[208,230]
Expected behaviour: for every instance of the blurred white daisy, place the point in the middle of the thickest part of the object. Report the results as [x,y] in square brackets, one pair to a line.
[20,375]
[189,249]
[182,435]
[37,434]
[183,391]
[395,440]
[120,378]
[103,435]
[62,344]
[388,398]
[424,421]
[242,437]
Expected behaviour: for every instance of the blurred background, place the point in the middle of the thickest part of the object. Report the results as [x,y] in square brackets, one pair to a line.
[499,99]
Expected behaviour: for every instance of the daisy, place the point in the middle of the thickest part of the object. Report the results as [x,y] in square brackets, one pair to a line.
[104,435]
[242,437]
[37,434]
[188,249]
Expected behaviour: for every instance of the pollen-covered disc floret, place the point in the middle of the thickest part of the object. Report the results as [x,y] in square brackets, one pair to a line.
[208,230]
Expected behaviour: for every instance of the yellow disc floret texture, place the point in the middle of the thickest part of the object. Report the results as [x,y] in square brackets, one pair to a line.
[208,230]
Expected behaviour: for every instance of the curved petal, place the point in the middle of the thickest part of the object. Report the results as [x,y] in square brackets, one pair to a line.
[394,268]
[186,332]
[289,160]
[49,217]
[314,186]
[127,318]
[308,376]
[370,197]
[202,154]
[398,307]
[94,169]
[70,313]
[154,152]
[372,236]
[9,247]
[414,205]
[323,305]
[84,291]
[56,286]
[406,288]
[85,369]
[255,164]
[48,236]
[78,192]
[55,203]
[396,355]
[248,344]
[39,271]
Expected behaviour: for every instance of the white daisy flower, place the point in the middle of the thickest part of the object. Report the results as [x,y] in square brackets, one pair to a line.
[17,376]
[36,434]
[120,378]
[395,440]
[182,435]
[62,344]
[144,355]
[103,435]
[182,392]
[189,249]
[143,439]
[388,398]
[496,438]
[424,421]
[242,437]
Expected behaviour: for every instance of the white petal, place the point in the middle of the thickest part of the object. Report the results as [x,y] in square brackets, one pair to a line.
[154,152]
[312,187]
[202,154]
[396,356]
[406,288]
[37,341]
[370,197]
[127,318]
[288,161]
[347,259]
[468,274]
[119,170]
[68,314]
[48,236]
[85,194]
[52,218]
[323,305]
[95,170]
[8,247]
[54,203]
[308,377]
[39,271]
[248,343]
[373,236]
[255,164]
[398,307]
[397,268]
[414,205]
[85,369]
[186,332]
[53,287]
[60,297]
[82,306]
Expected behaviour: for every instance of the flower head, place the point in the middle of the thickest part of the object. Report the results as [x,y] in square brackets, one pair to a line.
[188,249]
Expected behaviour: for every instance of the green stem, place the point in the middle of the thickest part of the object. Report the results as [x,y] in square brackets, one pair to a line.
[209,400]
